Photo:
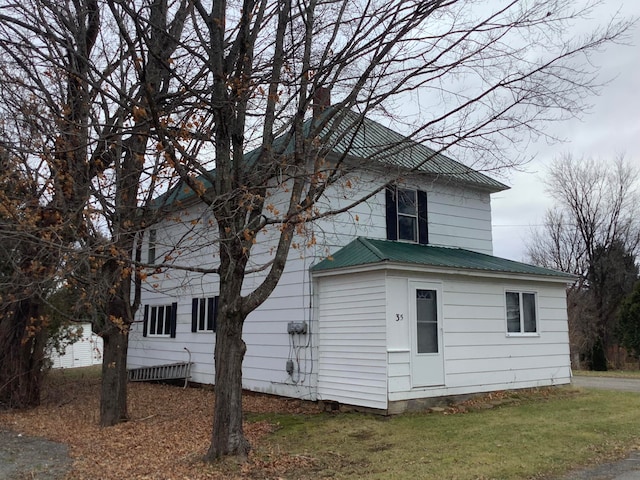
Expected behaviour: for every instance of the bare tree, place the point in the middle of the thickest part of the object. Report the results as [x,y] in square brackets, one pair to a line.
[82,77]
[483,74]
[629,323]
[45,109]
[593,232]
[148,35]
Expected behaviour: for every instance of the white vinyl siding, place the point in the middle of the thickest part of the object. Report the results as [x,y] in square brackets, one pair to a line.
[352,338]
[265,332]
[478,355]
[460,218]
[456,217]
[355,351]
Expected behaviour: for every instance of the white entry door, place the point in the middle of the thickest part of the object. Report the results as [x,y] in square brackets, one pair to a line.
[427,359]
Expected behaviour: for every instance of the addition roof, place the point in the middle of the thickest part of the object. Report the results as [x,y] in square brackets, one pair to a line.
[366,251]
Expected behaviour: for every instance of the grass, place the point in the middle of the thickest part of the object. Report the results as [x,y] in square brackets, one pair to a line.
[71,374]
[609,373]
[529,434]
[531,437]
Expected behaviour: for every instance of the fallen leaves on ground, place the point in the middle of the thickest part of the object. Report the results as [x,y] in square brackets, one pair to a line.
[503,397]
[167,435]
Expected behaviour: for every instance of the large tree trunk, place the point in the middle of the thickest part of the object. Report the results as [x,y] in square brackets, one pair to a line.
[228,435]
[113,401]
[22,353]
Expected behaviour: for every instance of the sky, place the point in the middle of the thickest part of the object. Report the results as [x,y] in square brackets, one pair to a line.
[611,127]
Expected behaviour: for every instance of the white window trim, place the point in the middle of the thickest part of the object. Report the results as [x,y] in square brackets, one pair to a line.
[506,319]
[204,300]
[166,321]
[416,233]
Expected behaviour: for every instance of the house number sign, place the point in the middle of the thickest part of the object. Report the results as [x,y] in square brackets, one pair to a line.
[399,317]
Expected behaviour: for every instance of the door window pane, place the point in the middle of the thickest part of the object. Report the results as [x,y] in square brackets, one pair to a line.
[427,318]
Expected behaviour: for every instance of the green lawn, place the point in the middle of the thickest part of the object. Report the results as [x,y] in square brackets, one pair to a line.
[62,375]
[534,436]
[610,373]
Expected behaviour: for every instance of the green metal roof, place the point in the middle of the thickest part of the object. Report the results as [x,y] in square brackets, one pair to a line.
[362,138]
[182,191]
[365,251]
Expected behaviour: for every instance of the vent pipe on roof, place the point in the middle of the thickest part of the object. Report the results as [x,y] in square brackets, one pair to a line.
[321,100]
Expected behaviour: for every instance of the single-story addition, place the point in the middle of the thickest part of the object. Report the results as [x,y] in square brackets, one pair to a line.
[399,323]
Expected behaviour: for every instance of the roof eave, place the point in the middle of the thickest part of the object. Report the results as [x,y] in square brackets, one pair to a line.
[382,167]
[412,267]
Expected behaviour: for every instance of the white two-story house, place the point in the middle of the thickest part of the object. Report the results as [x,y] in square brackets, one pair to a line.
[395,302]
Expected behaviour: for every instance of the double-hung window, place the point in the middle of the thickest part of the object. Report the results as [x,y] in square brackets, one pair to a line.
[203,314]
[521,313]
[160,320]
[406,212]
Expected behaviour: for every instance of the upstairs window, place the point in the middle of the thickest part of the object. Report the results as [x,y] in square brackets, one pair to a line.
[203,314]
[151,252]
[521,313]
[407,215]
[160,320]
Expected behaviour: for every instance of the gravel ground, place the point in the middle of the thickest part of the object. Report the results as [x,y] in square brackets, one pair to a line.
[627,469]
[607,383]
[33,458]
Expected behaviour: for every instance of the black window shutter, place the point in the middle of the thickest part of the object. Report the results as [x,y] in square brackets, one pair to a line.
[173,320]
[392,213]
[215,312]
[194,315]
[423,229]
[211,306]
[145,321]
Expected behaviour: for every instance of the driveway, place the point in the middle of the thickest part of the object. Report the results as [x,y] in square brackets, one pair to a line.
[607,383]
[626,469]
[23,457]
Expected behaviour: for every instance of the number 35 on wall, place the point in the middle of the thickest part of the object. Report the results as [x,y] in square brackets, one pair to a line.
[399,317]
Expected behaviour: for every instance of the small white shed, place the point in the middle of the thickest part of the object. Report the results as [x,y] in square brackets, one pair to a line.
[84,352]
[400,324]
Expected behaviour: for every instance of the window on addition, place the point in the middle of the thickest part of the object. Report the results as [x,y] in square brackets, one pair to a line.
[203,314]
[522,316]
